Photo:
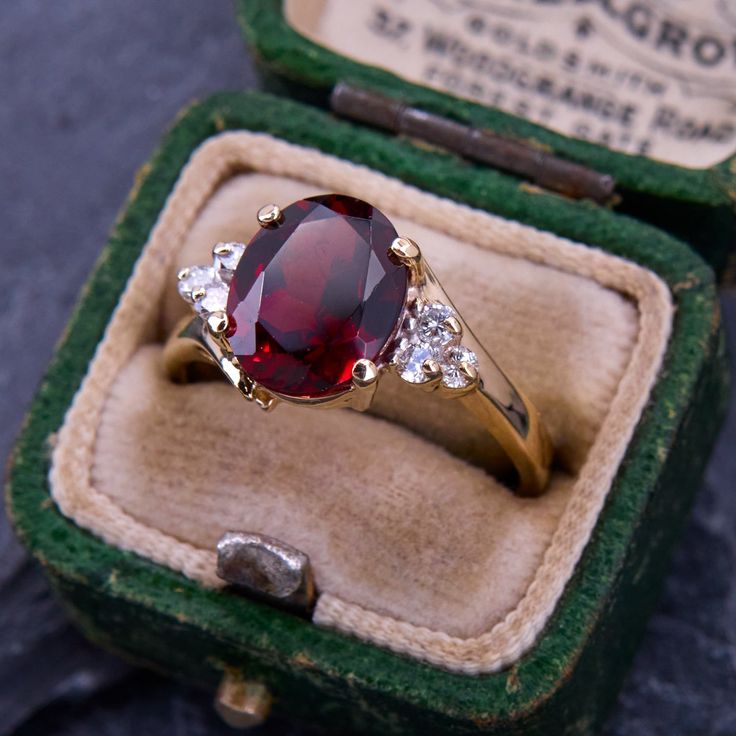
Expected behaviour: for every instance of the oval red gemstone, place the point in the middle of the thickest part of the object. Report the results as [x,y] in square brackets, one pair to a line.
[314,294]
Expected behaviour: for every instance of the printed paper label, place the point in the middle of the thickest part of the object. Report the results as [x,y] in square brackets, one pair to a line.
[651,77]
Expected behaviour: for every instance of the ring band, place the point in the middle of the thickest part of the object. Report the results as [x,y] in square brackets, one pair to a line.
[323,301]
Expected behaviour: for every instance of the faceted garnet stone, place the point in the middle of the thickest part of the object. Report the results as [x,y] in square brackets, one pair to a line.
[314,294]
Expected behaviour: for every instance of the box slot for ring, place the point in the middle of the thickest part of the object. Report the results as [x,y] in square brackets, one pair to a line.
[399,530]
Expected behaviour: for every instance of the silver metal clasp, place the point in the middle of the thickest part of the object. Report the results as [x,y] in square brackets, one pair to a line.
[267,568]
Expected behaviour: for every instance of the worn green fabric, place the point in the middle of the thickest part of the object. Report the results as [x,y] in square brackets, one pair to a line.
[565,683]
[697,205]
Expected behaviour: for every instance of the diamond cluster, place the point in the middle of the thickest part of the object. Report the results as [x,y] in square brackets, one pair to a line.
[427,349]
[429,336]
[207,287]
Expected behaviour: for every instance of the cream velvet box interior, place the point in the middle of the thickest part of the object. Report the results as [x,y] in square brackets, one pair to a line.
[414,547]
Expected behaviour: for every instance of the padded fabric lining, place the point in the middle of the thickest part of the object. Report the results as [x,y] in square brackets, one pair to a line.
[413,547]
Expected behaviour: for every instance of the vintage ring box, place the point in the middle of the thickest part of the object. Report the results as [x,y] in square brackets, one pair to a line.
[444,602]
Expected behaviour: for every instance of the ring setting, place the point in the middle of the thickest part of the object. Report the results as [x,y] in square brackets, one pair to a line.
[324,300]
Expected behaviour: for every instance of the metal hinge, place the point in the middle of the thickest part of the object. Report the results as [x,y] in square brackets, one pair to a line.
[476,144]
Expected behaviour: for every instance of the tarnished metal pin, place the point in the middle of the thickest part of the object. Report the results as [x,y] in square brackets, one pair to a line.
[267,568]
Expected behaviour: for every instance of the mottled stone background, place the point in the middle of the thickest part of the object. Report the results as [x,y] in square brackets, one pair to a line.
[87,87]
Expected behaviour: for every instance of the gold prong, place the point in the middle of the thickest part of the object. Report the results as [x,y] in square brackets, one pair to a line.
[217,323]
[222,249]
[431,368]
[182,274]
[198,293]
[469,371]
[452,324]
[365,383]
[408,253]
[365,373]
[405,249]
[270,215]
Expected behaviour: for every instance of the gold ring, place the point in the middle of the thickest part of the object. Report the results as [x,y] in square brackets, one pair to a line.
[323,301]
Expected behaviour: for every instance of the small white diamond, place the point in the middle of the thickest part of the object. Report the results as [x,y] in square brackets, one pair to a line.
[452,375]
[214,299]
[409,359]
[430,327]
[226,261]
[197,277]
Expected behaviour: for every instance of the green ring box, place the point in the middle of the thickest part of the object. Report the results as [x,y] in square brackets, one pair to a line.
[568,679]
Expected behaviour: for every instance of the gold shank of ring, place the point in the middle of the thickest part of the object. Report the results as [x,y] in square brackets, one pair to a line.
[504,411]
[531,454]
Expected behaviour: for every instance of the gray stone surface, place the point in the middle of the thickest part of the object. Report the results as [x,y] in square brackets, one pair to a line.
[88,87]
